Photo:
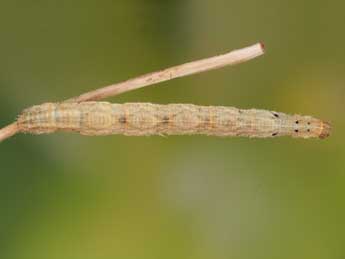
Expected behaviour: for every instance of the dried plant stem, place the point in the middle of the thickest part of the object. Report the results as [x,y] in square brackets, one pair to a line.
[8,131]
[230,58]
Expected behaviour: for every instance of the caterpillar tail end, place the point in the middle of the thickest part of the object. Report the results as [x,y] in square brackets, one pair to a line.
[325,130]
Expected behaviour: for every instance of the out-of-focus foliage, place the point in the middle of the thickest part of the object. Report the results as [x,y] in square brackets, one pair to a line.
[68,196]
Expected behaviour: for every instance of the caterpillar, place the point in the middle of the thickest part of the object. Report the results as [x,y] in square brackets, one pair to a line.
[146,119]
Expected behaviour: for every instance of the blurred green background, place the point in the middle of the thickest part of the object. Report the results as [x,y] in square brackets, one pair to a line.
[69,196]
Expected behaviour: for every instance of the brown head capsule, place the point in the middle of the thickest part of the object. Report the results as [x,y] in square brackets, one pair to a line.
[325,130]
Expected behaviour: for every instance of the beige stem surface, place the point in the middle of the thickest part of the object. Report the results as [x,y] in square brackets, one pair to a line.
[231,58]
[8,131]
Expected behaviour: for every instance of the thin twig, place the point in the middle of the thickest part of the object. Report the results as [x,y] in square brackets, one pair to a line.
[8,131]
[230,58]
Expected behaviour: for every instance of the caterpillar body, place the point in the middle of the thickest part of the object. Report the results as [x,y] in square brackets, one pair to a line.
[145,119]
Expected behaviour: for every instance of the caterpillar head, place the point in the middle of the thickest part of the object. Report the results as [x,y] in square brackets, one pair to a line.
[308,127]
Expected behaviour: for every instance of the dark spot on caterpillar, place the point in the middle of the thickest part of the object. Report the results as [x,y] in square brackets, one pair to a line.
[308,122]
[166,119]
[122,119]
[297,122]
[308,130]
[276,115]
[296,130]
[275,134]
